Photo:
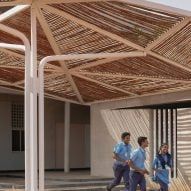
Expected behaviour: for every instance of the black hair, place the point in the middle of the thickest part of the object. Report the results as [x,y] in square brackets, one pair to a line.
[124,134]
[162,145]
[141,140]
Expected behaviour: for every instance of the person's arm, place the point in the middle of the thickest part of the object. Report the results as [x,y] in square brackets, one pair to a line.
[133,157]
[155,166]
[118,158]
[116,154]
[131,164]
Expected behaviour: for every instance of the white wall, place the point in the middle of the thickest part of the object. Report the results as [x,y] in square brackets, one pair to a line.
[54,121]
[9,160]
[101,145]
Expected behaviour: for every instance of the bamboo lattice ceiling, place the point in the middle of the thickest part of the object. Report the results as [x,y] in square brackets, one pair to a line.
[90,26]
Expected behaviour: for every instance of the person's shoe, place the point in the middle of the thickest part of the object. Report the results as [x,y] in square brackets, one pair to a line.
[108,189]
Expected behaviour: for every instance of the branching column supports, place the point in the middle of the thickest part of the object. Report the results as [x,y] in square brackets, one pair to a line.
[43,62]
[25,48]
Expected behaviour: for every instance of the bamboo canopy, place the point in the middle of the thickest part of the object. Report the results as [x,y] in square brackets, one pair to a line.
[101,26]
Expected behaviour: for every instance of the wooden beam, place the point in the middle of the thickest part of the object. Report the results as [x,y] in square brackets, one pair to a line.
[11,53]
[13,67]
[43,2]
[56,49]
[54,68]
[10,89]
[93,27]
[19,82]
[131,77]
[14,3]
[159,7]
[103,84]
[15,54]
[104,61]
[5,83]
[169,33]
[61,98]
[147,99]
[168,61]
[93,64]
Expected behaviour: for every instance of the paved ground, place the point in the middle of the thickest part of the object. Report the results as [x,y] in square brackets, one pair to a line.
[57,180]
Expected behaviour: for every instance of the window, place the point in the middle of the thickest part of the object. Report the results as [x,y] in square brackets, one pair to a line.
[17,115]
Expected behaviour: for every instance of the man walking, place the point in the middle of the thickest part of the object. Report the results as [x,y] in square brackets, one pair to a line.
[137,164]
[122,152]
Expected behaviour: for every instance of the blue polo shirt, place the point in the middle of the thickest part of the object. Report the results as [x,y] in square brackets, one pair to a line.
[123,151]
[138,157]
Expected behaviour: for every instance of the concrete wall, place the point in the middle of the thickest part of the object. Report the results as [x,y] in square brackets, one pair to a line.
[103,136]
[101,145]
[9,160]
[54,135]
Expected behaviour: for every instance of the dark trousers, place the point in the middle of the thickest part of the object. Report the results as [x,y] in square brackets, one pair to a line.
[119,172]
[163,186]
[136,178]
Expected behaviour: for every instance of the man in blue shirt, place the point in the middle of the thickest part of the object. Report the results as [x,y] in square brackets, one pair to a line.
[137,164]
[121,152]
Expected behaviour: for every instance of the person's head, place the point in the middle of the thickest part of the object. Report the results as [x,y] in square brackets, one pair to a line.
[143,142]
[125,137]
[163,148]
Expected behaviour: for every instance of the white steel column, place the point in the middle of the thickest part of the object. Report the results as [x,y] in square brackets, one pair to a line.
[33,96]
[67,137]
[41,126]
[27,95]
[43,62]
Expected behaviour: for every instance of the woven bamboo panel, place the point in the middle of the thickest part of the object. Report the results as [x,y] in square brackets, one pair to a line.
[135,23]
[10,60]
[58,85]
[75,63]
[21,22]
[44,47]
[178,47]
[7,38]
[140,86]
[142,66]
[74,38]
[11,75]
[91,91]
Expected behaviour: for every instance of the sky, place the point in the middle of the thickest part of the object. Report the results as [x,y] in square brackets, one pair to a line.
[181,4]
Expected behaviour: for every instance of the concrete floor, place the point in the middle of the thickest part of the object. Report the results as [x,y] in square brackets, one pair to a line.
[54,180]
